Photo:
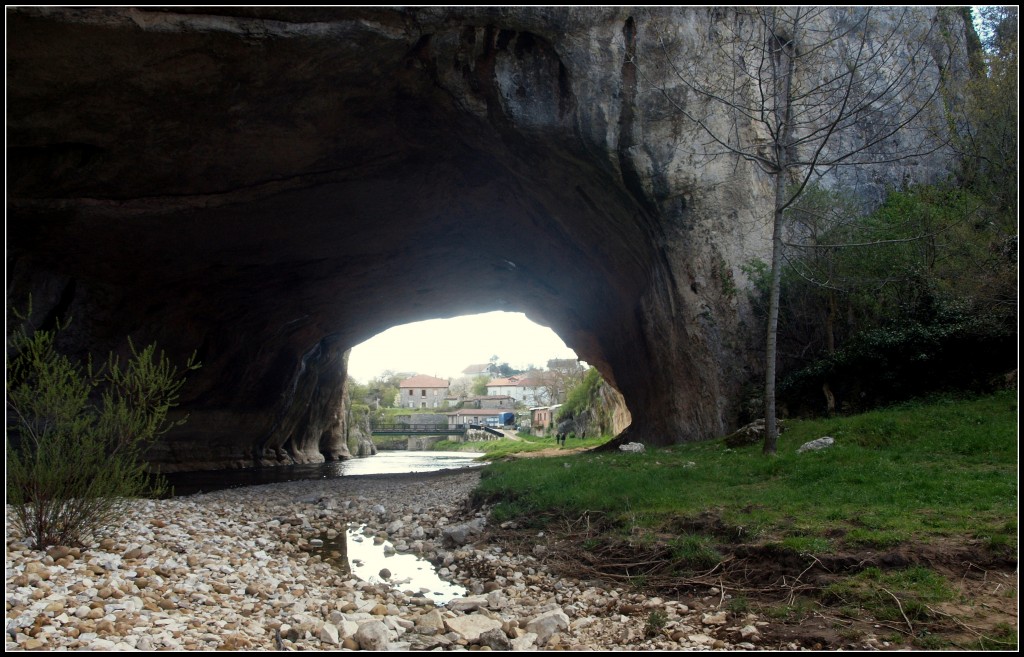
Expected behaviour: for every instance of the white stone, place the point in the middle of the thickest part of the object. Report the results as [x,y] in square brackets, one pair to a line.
[329,634]
[816,445]
[432,620]
[527,641]
[372,635]
[471,627]
[547,624]
[469,603]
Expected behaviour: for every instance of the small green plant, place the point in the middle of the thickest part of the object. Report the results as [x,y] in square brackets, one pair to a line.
[928,641]
[798,609]
[656,621]
[738,604]
[695,552]
[76,434]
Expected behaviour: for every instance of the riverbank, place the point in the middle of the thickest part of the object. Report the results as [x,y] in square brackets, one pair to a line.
[904,528]
[237,569]
[869,545]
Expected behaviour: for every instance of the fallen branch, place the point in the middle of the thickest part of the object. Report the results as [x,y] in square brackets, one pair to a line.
[900,605]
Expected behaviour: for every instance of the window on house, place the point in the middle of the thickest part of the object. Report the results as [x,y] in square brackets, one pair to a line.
[423,404]
[423,393]
[410,392]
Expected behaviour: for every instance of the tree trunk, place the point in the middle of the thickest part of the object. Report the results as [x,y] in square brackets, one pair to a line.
[782,62]
[771,432]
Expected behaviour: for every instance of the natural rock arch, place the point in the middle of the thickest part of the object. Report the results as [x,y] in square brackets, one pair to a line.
[273,186]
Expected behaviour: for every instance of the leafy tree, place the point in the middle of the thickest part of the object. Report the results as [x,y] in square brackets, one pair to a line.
[76,433]
[358,392]
[383,390]
[984,116]
[807,90]
[913,297]
[502,369]
[480,385]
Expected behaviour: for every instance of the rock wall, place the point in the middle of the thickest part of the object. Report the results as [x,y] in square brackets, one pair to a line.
[271,186]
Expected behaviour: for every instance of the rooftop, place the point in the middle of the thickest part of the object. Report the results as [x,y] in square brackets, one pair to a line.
[423,381]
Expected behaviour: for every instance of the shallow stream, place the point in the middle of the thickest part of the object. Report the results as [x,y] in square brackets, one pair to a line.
[385,462]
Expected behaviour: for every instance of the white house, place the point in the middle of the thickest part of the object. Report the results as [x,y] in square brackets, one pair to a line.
[531,392]
[465,416]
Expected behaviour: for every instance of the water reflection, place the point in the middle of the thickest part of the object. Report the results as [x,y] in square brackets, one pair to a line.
[408,572]
[356,553]
[389,462]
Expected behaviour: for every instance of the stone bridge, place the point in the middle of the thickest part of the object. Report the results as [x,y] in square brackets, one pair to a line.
[272,186]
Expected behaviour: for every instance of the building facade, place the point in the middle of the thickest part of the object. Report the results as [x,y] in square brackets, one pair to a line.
[528,391]
[422,391]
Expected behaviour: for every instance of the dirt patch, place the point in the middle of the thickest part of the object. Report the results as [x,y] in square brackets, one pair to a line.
[795,592]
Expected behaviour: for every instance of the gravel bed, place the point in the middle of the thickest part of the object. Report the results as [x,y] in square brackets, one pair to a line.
[241,570]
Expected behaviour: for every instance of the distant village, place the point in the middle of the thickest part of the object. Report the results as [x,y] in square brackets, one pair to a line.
[483,394]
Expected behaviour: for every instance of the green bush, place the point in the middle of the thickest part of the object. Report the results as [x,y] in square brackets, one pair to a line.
[580,397]
[956,349]
[76,434]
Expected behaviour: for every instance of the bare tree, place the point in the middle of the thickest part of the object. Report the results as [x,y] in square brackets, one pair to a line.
[800,92]
[562,375]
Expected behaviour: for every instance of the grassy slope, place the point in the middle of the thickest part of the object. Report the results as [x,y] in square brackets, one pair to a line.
[915,470]
[936,473]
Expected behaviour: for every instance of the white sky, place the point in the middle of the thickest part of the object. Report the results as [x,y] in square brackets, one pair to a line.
[445,347]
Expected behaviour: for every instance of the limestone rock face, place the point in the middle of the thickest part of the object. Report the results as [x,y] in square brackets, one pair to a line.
[271,186]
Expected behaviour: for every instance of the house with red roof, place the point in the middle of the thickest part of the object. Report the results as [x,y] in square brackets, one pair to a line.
[422,391]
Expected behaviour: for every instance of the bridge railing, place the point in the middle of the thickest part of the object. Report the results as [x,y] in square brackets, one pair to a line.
[399,428]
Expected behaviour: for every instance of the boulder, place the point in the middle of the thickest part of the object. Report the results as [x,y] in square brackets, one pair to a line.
[816,445]
[494,639]
[547,624]
[472,626]
[372,635]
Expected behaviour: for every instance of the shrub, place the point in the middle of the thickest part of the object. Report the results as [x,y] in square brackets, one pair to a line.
[76,434]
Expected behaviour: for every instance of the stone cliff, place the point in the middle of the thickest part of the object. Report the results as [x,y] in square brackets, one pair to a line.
[271,186]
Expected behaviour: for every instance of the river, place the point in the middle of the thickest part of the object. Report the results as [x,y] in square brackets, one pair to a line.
[385,462]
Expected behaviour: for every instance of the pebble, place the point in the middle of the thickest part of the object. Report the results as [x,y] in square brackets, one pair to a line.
[237,570]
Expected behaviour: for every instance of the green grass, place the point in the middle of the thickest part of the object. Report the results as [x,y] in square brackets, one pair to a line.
[694,552]
[498,449]
[937,468]
[901,595]
[807,544]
